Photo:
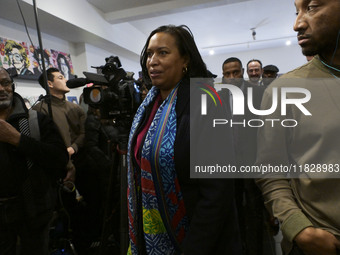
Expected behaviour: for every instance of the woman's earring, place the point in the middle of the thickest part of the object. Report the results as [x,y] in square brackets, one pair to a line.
[185,69]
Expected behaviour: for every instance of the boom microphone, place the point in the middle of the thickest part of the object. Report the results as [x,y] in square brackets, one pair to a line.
[77,82]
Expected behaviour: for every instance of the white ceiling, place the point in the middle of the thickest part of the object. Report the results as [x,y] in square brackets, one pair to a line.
[222,26]
[107,6]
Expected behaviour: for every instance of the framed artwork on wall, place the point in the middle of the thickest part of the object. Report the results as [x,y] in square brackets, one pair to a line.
[72,99]
[25,61]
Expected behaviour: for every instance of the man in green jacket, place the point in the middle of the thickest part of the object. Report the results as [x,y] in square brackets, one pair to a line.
[308,203]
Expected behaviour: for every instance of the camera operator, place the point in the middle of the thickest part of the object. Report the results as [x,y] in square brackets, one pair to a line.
[112,102]
[101,139]
[94,181]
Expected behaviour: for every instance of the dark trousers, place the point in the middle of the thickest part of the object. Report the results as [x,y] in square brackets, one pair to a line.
[33,233]
[251,210]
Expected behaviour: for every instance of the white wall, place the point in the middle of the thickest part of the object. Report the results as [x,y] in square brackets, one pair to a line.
[285,58]
[17,32]
[90,19]
[96,57]
[83,57]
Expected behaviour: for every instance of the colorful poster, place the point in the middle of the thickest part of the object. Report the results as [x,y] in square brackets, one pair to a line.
[62,61]
[15,56]
[36,60]
[72,99]
[25,61]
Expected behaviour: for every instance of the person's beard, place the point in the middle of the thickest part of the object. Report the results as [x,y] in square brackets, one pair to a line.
[254,79]
[318,49]
[310,52]
[5,103]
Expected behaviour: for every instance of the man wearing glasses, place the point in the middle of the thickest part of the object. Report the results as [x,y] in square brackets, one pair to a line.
[31,156]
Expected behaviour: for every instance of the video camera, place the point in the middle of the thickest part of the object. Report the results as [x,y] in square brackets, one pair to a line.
[115,92]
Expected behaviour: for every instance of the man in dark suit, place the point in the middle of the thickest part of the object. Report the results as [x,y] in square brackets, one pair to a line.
[248,196]
[245,137]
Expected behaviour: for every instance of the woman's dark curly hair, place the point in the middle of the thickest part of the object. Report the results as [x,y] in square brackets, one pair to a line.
[186,46]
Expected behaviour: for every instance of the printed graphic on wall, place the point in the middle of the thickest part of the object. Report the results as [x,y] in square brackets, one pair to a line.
[72,99]
[24,60]
[63,62]
[36,60]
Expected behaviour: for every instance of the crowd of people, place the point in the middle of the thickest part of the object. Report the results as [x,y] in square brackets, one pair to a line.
[56,146]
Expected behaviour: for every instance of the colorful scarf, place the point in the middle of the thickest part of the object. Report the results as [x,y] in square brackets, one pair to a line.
[154,190]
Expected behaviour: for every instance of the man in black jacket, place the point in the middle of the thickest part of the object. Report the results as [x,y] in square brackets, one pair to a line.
[248,197]
[28,173]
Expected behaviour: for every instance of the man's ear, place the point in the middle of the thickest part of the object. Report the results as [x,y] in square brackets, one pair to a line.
[50,84]
[242,71]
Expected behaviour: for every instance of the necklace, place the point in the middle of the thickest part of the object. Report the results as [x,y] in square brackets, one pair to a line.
[331,67]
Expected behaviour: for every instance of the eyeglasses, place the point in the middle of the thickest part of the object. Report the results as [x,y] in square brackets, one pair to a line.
[6,83]
[16,56]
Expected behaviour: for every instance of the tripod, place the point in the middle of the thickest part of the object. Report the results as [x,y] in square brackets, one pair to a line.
[60,236]
[118,173]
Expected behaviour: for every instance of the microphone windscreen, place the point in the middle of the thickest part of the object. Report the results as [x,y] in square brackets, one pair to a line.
[76,83]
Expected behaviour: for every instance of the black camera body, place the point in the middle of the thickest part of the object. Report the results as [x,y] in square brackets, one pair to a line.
[114,92]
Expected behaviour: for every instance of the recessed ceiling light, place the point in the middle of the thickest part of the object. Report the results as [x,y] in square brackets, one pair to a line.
[288,42]
[211,52]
